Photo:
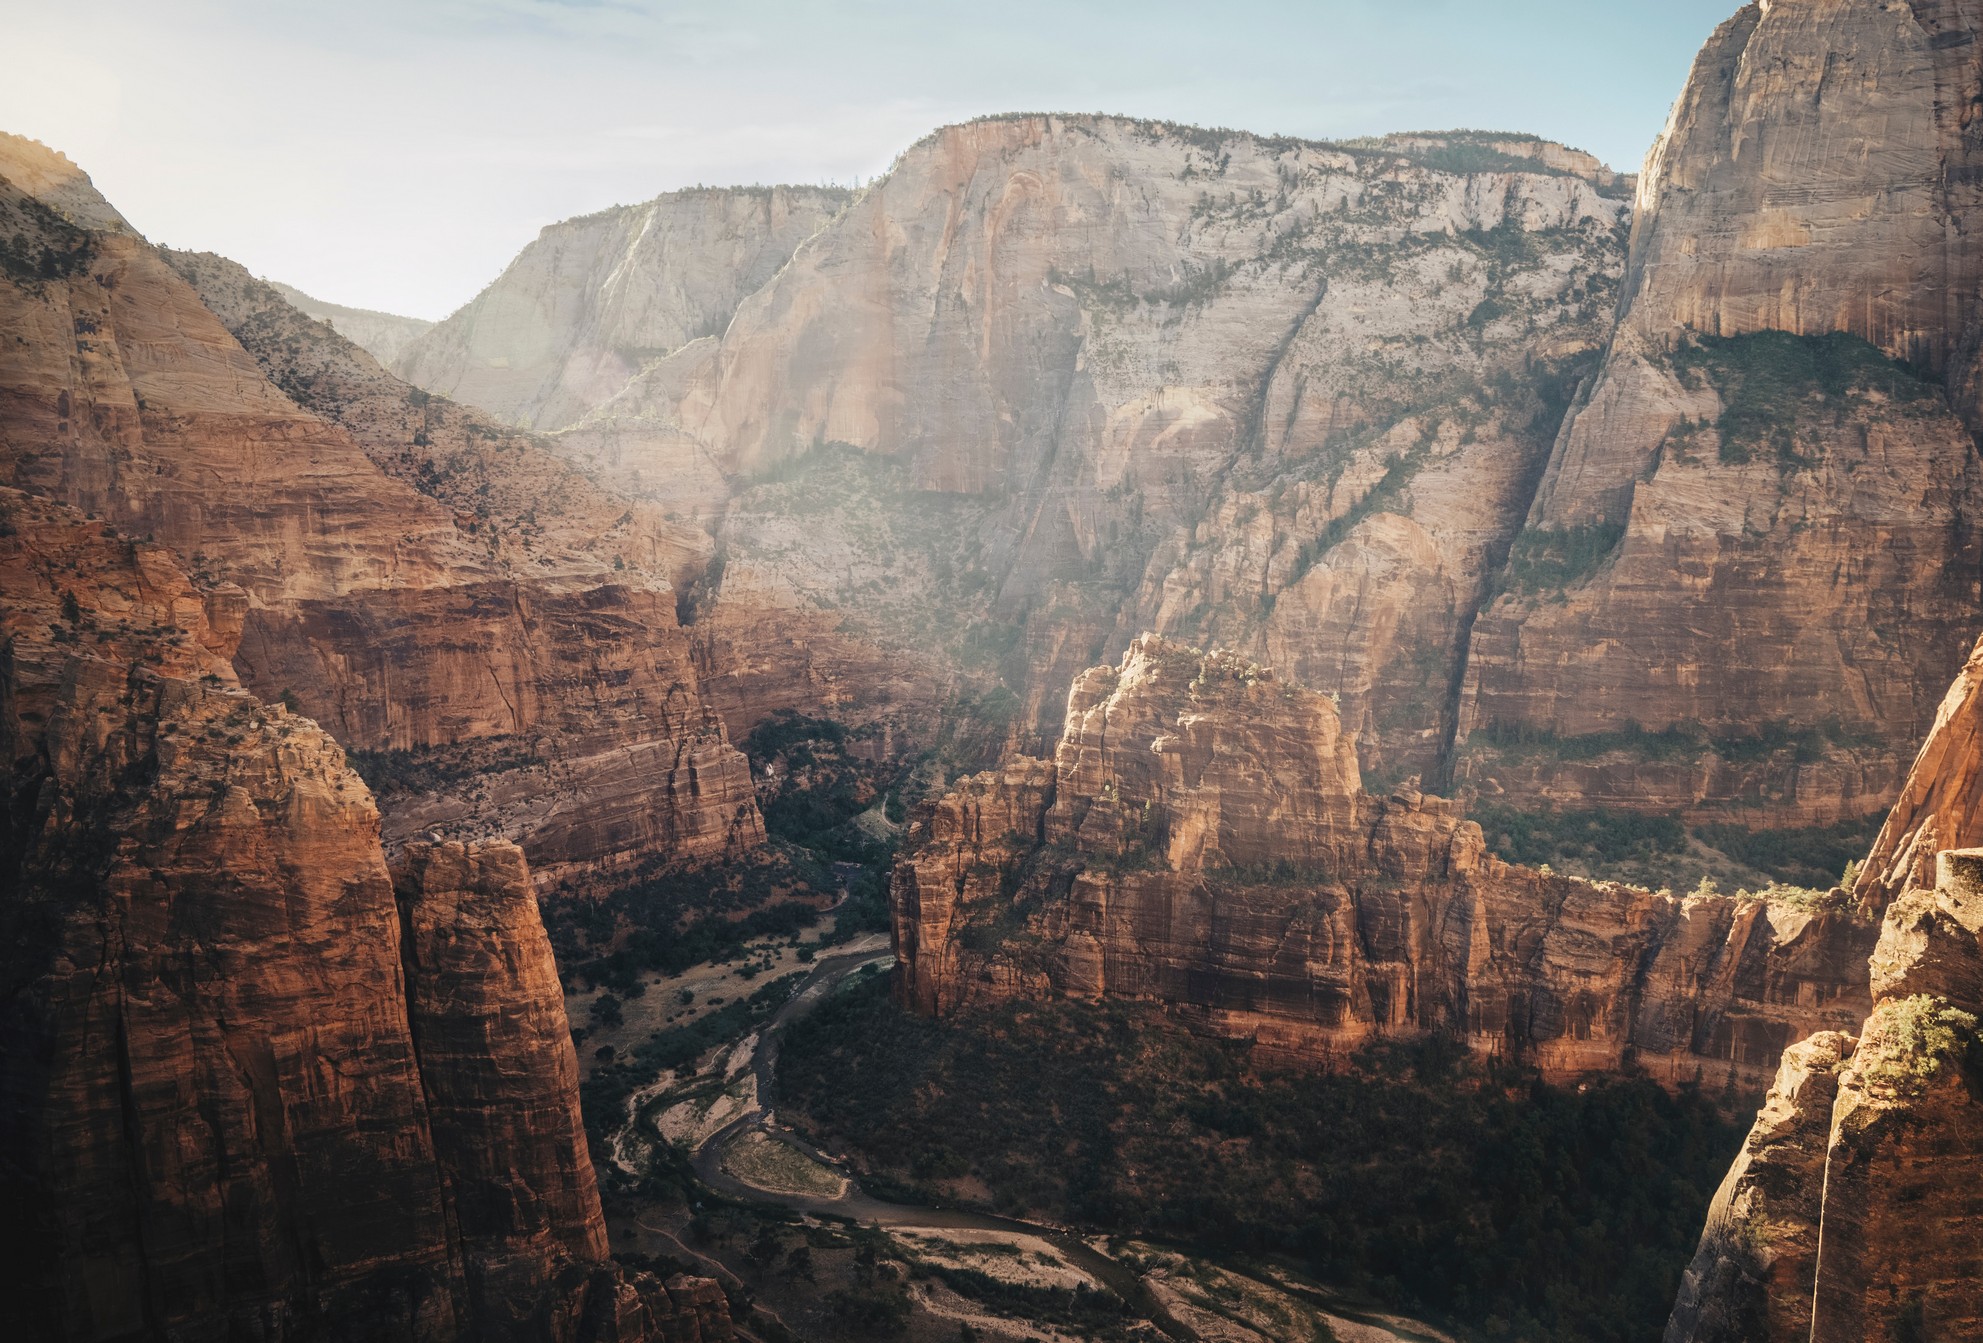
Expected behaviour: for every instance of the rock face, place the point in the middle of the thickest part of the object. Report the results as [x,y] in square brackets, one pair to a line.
[1293,396]
[1941,805]
[246,1093]
[1851,1213]
[380,334]
[1202,840]
[1309,402]
[1752,562]
[495,631]
[592,299]
[1751,220]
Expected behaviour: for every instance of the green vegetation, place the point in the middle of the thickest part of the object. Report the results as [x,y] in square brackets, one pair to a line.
[37,244]
[602,1097]
[389,773]
[1555,559]
[1419,1176]
[1398,472]
[1599,838]
[1813,856]
[1805,745]
[1912,1038]
[1771,381]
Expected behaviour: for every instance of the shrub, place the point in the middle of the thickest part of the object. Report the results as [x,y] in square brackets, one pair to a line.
[1770,380]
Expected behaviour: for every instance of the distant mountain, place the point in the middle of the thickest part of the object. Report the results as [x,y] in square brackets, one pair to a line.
[380,334]
[593,299]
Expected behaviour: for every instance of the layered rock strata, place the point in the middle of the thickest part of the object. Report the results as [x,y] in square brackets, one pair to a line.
[496,632]
[1290,395]
[1941,805]
[245,1091]
[586,305]
[1851,1211]
[1202,840]
[1751,565]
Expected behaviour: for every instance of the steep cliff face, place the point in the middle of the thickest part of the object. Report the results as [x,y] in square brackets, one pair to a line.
[1851,1213]
[1289,394]
[1753,559]
[1752,219]
[495,630]
[1941,805]
[592,299]
[1202,840]
[485,1010]
[239,1097]
[380,334]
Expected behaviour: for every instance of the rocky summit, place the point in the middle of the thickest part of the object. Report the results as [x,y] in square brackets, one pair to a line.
[1396,688]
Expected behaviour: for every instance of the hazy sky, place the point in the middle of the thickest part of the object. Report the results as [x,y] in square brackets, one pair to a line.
[397,153]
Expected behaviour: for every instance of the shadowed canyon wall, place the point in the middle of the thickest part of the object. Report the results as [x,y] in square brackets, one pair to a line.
[253,1084]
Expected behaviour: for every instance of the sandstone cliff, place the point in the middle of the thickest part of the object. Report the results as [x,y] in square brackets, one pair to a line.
[380,334]
[1752,562]
[583,307]
[246,1093]
[495,631]
[1291,395]
[1852,1211]
[1201,840]
[1304,401]
[1941,805]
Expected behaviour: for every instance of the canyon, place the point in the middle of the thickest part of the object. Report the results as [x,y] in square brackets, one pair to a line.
[1849,1213]
[1496,482]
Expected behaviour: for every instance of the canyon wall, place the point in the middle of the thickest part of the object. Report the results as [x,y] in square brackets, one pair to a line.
[1054,380]
[1202,840]
[1368,412]
[493,632]
[1753,560]
[1850,1213]
[593,299]
[247,1090]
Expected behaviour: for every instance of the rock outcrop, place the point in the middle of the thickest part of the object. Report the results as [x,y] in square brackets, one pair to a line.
[1752,562]
[1288,395]
[1202,840]
[586,305]
[380,334]
[1819,174]
[245,1092]
[494,631]
[1851,1212]
[1941,805]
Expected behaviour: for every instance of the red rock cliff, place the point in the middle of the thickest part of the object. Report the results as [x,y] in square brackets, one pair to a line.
[244,1092]
[417,579]
[1202,840]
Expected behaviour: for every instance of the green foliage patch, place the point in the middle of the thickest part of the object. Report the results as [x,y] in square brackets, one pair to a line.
[1533,838]
[1770,381]
[1555,559]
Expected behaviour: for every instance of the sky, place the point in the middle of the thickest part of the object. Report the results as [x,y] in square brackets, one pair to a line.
[395,154]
